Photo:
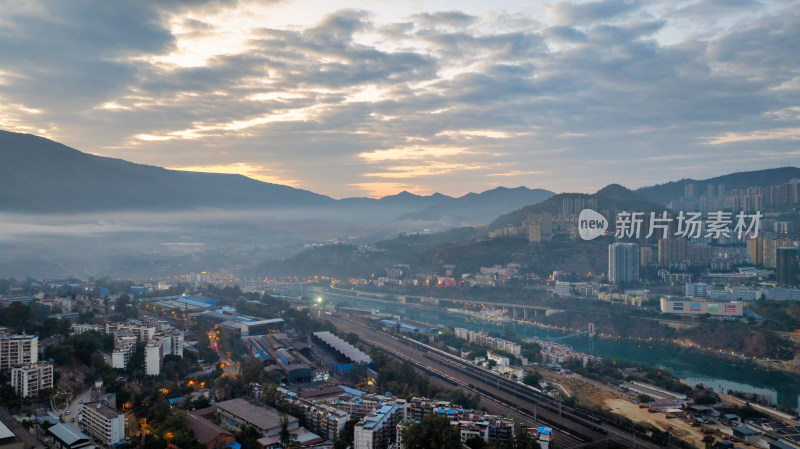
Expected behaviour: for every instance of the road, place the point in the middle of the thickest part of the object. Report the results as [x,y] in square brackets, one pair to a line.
[494,389]
[229,367]
[69,412]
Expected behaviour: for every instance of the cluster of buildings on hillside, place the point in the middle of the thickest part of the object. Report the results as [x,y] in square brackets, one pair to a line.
[711,197]
[486,276]
[554,353]
[483,339]
[676,255]
[778,253]
[158,336]
[544,226]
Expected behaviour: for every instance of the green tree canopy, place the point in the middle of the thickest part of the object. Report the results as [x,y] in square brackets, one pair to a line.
[433,432]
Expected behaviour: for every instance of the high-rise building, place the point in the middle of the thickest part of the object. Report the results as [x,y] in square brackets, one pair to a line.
[574,203]
[672,251]
[18,350]
[787,268]
[534,232]
[645,255]
[153,356]
[27,381]
[623,262]
[689,191]
[755,250]
[771,246]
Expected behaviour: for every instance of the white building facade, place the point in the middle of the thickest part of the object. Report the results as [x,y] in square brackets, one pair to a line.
[29,380]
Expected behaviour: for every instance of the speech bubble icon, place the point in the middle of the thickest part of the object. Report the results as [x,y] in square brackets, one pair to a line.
[591,224]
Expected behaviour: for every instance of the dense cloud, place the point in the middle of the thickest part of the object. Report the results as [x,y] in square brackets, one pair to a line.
[566,95]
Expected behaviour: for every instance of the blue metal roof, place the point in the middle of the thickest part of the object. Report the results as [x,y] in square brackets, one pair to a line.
[352,391]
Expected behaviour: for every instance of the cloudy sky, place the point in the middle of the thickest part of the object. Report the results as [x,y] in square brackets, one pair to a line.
[372,97]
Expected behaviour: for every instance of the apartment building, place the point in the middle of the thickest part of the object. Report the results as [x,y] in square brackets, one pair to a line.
[378,430]
[483,339]
[18,350]
[103,422]
[143,332]
[28,380]
[153,357]
[359,406]
[324,420]
[124,347]
[492,429]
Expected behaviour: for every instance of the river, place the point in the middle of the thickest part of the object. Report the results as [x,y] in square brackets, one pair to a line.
[691,366]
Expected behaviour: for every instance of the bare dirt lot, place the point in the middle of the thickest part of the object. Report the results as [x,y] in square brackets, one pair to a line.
[679,427]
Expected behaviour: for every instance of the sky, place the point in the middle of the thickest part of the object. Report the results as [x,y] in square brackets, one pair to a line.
[374,97]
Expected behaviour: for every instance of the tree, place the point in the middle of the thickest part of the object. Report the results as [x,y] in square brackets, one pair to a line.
[433,432]
[708,441]
[532,378]
[476,443]
[522,440]
[644,398]
[285,435]
[248,438]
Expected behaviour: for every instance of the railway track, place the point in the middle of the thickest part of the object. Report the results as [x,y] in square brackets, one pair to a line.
[530,404]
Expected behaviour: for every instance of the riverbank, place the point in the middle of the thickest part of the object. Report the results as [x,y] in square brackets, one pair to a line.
[788,366]
[683,361]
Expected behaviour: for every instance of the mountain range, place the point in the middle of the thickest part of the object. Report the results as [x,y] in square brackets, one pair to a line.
[65,212]
[42,176]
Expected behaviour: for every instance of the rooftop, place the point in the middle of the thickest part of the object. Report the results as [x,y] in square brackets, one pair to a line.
[102,409]
[5,432]
[20,432]
[205,430]
[67,434]
[269,321]
[343,347]
[301,434]
[259,415]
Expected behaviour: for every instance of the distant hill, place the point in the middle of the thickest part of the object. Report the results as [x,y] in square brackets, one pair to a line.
[663,193]
[402,199]
[39,175]
[474,208]
[611,197]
